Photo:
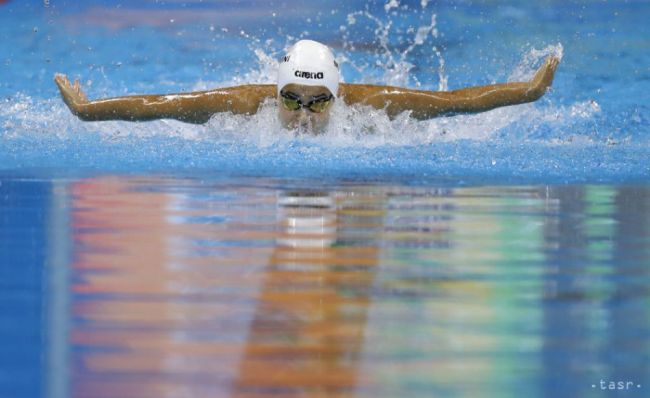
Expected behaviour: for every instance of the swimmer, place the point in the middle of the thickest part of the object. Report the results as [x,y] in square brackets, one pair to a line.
[308,84]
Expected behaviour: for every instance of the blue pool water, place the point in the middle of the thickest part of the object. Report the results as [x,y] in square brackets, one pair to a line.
[492,255]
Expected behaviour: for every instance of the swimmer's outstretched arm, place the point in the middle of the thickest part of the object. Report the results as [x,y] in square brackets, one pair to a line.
[429,104]
[194,107]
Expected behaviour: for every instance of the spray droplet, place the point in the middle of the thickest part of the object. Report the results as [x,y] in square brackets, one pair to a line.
[391,4]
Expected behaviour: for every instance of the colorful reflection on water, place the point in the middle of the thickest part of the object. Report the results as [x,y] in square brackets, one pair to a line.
[161,286]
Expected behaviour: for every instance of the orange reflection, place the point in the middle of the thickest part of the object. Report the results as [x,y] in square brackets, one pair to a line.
[176,296]
[307,334]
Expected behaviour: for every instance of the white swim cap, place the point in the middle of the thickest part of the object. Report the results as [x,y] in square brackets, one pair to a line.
[309,63]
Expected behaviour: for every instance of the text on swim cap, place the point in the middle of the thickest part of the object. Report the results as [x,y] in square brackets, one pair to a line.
[309,75]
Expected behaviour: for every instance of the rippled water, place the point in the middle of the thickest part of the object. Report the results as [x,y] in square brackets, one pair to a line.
[149,286]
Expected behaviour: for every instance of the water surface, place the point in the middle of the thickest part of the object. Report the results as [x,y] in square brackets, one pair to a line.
[157,285]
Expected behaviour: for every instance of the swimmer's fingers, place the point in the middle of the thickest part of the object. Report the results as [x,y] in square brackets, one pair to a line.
[72,94]
[66,92]
[544,76]
[78,91]
[62,81]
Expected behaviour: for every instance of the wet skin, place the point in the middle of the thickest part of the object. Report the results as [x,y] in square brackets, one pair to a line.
[198,107]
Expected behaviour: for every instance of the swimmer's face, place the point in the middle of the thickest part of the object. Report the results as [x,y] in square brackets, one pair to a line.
[305,107]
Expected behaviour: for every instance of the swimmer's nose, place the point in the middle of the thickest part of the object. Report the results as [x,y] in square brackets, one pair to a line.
[303,118]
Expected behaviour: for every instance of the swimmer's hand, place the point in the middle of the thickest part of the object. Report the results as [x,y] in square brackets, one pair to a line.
[72,95]
[543,78]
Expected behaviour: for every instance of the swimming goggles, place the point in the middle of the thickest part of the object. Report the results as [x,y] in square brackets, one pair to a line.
[317,104]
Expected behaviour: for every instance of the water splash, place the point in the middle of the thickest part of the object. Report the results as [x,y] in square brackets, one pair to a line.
[531,140]
[38,125]
[390,5]
[527,66]
[357,126]
[265,70]
[388,64]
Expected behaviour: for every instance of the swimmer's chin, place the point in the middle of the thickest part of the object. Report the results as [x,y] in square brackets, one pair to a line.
[305,128]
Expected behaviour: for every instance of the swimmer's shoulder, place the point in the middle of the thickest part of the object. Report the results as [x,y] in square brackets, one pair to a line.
[259,89]
[353,93]
[245,98]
